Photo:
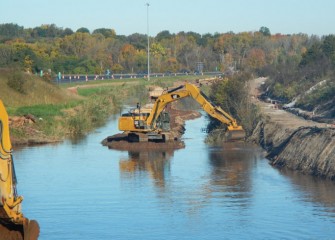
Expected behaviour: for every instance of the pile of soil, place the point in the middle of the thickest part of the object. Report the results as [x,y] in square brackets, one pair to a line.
[30,135]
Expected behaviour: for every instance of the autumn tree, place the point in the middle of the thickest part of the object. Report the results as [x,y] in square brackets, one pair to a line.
[255,59]
[127,56]
[158,53]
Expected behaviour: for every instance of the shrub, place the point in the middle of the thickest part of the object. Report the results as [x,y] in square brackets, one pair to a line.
[17,81]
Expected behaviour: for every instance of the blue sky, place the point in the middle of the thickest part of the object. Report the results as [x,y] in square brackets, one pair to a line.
[201,16]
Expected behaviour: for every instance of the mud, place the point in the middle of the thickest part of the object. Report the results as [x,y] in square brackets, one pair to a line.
[177,121]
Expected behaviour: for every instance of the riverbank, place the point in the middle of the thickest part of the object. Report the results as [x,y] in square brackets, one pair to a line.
[293,142]
[87,107]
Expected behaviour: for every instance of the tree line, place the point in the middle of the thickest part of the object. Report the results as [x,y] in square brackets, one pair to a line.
[292,61]
[62,50]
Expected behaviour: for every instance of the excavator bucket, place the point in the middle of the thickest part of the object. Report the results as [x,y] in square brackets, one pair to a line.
[235,133]
[29,230]
[13,225]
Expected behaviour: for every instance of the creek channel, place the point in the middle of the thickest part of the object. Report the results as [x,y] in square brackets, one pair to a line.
[83,190]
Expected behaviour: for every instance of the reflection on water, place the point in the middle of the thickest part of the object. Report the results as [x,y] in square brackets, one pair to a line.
[231,168]
[231,171]
[315,189]
[155,163]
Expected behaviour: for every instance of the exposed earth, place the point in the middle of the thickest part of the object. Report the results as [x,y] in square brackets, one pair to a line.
[294,142]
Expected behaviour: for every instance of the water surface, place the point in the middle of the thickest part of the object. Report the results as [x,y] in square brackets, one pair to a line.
[82,190]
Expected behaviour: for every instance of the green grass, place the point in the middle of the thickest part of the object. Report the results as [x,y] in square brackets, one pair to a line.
[85,92]
[44,110]
[62,113]
[35,91]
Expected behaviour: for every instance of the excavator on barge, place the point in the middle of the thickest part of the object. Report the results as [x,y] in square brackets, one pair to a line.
[153,124]
[13,224]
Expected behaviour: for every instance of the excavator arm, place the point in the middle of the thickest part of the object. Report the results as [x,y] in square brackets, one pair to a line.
[190,90]
[214,111]
[13,225]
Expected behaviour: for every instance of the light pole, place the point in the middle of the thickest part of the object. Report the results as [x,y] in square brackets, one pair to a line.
[148,41]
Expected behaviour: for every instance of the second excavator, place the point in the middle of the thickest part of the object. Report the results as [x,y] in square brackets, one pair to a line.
[153,124]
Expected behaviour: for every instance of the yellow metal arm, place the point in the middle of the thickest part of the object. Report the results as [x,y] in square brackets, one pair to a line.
[190,90]
[10,202]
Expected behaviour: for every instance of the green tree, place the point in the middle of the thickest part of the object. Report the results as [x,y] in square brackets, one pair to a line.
[10,31]
[6,55]
[83,30]
[328,47]
[138,40]
[313,54]
[163,35]
[265,31]
[106,32]
[117,68]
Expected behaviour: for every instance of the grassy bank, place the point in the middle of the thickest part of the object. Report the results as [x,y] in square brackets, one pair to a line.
[59,112]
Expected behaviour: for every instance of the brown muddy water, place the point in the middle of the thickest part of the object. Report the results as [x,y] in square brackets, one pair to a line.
[83,190]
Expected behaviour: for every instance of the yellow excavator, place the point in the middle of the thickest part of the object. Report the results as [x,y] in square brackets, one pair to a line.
[141,125]
[13,225]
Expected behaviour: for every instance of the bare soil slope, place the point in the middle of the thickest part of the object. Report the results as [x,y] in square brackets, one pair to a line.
[292,141]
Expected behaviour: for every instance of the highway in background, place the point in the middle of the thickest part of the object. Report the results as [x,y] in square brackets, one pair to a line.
[70,78]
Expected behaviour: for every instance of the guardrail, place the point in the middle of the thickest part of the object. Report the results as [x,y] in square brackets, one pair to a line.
[69,78]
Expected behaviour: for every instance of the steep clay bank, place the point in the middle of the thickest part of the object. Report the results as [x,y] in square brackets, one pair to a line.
[293,142]
[310,150]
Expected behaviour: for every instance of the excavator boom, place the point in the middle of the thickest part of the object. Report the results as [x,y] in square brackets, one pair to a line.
[13,225]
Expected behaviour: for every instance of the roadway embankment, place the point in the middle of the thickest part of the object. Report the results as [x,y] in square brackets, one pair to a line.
[293,142]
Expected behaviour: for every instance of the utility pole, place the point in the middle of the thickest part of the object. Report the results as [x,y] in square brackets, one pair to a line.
[148,41]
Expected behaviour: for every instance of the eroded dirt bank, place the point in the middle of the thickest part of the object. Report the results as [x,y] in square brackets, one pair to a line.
[310,150]
[296,143]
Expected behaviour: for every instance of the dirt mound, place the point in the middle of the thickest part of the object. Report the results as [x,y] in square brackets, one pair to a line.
[30,135]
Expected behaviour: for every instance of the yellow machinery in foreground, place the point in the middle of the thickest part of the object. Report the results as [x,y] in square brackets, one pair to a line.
[13,225]
[154,125]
